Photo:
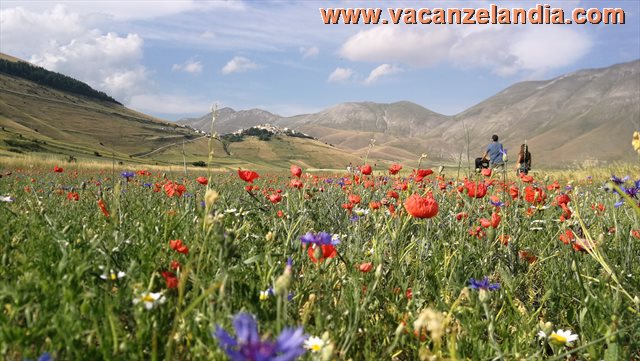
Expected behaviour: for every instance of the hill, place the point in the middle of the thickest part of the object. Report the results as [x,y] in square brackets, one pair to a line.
[229,120]
[588,115]
[36,117]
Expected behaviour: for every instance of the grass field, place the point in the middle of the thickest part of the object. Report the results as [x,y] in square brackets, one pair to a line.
[92,267]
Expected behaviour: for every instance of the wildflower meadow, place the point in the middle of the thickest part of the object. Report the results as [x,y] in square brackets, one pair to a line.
[390,263]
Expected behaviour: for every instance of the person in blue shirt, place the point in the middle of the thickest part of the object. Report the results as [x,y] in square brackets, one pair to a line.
[494,153]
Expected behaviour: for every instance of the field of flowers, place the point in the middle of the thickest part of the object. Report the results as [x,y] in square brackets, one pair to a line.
[385,264]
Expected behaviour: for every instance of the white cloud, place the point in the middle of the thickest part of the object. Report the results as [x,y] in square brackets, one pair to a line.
[382,70]
[504,50]
[396,44]
[340,75]
[189,66]
[238,64]
[309,52]
[107,61]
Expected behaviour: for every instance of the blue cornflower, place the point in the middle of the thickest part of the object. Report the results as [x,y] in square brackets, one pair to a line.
[619,181]
[127,175]
[328,180]
[354,218]
[496,204]
[322,238]
[631,191]
[618,204]
[148,185]
[44,357]
[483,285]
[248,346]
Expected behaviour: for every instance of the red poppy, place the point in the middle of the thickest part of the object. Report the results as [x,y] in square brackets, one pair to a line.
[374,205]
[248,175]
[394,169]
[409,293]
[170,278]
[527,256]
[103,207]
[526,178]
[174,189]
[534,195]
[295,170]
[73,196]
[486,172]
[514,192]
[175,265]
[421,173]
[296,183]
[366,169]
[495,220]
[176,245]
[393,194]
[582,245]
[421,207]
[320,254]
[143,172]
[354,199]
[476,189]
[202,180]
[566,213]
[275,198]
[347,206]
[461,215]
[562,199]
[598,208]
[504,239]
[366,267]
[553,186]
[485,223]
[58,169]
[567,236]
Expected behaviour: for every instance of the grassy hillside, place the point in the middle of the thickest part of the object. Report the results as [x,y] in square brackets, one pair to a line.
[36,119]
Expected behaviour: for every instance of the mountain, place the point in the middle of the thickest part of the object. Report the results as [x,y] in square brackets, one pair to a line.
[229,120]
[43,112]
[588,115]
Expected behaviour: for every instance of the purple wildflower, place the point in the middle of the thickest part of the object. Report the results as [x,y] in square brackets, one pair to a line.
[128,175]
[496,204]
[619,181]
[322,238]
[483,284]
[248,346]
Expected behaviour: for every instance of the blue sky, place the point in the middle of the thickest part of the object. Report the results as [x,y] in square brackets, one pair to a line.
[174,59]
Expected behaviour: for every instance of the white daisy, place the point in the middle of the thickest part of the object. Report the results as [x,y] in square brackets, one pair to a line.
[150,299]
[314,344]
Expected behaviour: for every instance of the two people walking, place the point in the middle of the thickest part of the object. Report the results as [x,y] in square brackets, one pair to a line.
[495,157]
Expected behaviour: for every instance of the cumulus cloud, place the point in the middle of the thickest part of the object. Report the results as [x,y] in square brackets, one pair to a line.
[382,70]
[504,50]
[340,75]
[189,66]
[309,52]
[108,61]
[238,64]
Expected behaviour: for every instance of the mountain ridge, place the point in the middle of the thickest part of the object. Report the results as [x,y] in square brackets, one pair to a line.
[560,118]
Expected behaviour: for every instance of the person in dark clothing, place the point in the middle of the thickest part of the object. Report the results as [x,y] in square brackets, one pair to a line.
[524,160]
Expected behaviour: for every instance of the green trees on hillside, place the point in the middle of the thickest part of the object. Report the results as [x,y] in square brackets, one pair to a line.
[52,79]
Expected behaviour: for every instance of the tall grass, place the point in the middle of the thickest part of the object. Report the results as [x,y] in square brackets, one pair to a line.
[415,303]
